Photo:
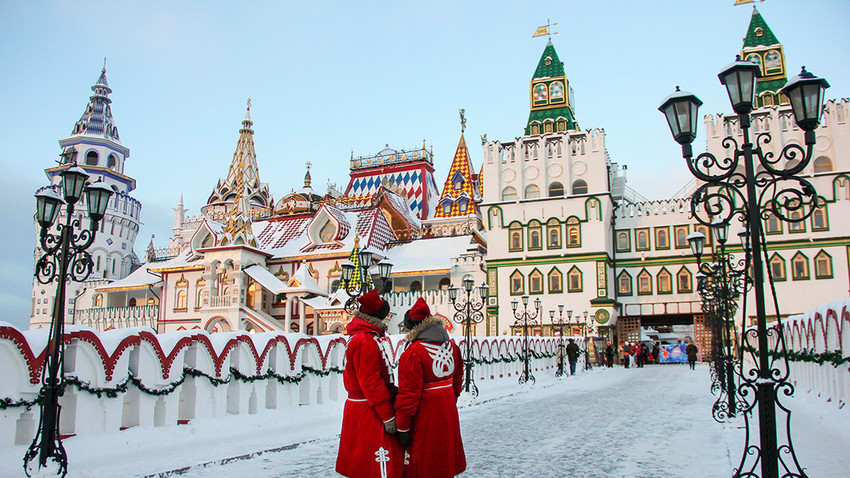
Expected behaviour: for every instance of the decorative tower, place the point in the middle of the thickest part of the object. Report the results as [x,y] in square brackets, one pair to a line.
[244,164]
[552,98]
[762,48]
[357,275]
[237,231]
[460,191]
[95,146]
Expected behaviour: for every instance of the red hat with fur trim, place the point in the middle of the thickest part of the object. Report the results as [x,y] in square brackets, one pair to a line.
[371,303]
[419,310]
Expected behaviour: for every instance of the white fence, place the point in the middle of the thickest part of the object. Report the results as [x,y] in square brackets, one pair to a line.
[818,350]
[133,377]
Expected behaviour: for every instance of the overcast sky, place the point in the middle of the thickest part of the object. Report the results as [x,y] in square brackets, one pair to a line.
[330,78]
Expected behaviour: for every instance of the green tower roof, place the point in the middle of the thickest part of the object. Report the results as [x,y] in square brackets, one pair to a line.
[758,25]
[554,68]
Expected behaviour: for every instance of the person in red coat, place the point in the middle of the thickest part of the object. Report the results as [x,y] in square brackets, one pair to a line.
[367,445]
[430,375]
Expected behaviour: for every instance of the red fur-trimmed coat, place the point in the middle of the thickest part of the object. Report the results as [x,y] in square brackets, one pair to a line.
[365,449]
[430,375]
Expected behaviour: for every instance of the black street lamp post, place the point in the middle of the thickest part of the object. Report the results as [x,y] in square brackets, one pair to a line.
[65,258]
[751,195]
[561,347]
[384,269]
[720,282]
[468,313]
[588,328]
[525,318]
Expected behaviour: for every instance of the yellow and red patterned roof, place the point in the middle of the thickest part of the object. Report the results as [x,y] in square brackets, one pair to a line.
[459,188]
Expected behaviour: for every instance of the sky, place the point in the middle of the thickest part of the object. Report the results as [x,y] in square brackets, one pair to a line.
[328,79]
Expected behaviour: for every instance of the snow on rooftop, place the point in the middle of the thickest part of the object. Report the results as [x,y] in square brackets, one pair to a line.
[428,254]
[141,277]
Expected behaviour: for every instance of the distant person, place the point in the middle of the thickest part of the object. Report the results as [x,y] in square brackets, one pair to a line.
[639,349]
[572,355]
[367,447]
[609,355]
[626,351]
[656,352]
[691,351]
[430,378]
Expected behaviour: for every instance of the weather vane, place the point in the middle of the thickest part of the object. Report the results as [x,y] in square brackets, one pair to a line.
[462,120]
[249,103]
[545,30]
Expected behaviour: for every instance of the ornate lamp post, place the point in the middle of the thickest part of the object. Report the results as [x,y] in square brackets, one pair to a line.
[588,328]
[525,318]
[561,347]
[65,258]
[750,196]
[365,257]
[720,283]
[468,313]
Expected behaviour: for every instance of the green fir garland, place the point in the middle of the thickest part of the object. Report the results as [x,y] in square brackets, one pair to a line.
[805,355]
[114,392]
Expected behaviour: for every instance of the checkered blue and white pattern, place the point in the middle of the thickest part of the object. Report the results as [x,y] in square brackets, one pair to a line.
[412,182]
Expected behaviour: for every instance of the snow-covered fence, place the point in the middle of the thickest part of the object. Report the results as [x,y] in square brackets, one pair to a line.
[818,350]
[133,377]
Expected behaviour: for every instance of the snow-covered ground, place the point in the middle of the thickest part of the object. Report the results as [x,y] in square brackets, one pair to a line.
[654,421]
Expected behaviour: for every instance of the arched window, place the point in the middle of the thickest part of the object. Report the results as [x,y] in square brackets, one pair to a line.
[98,300]
[534,233]
[515,237]
[819,221]
[131,302]
[251,297]
[662,239]
[556,189]
[556,281]
[181,300]
[642,240]
[509,194]
[823,265]
[665,282]
[112,162]
[777,267]
[796,225]
[415,286]
[644,283]
[573,232]
[681,237]
[800,267]
[574,283]
[517,283]
[823,165]
[623,241]
[553,234]
[445,283]
[91,158]
[579,187]
[773,224]
[535,282]
[684,280]
[624,283]
[532,191]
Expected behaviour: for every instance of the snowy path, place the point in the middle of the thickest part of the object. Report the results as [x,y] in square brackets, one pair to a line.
[654,421]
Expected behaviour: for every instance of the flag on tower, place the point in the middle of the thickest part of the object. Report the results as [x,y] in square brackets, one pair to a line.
[742,2]
[544,30]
